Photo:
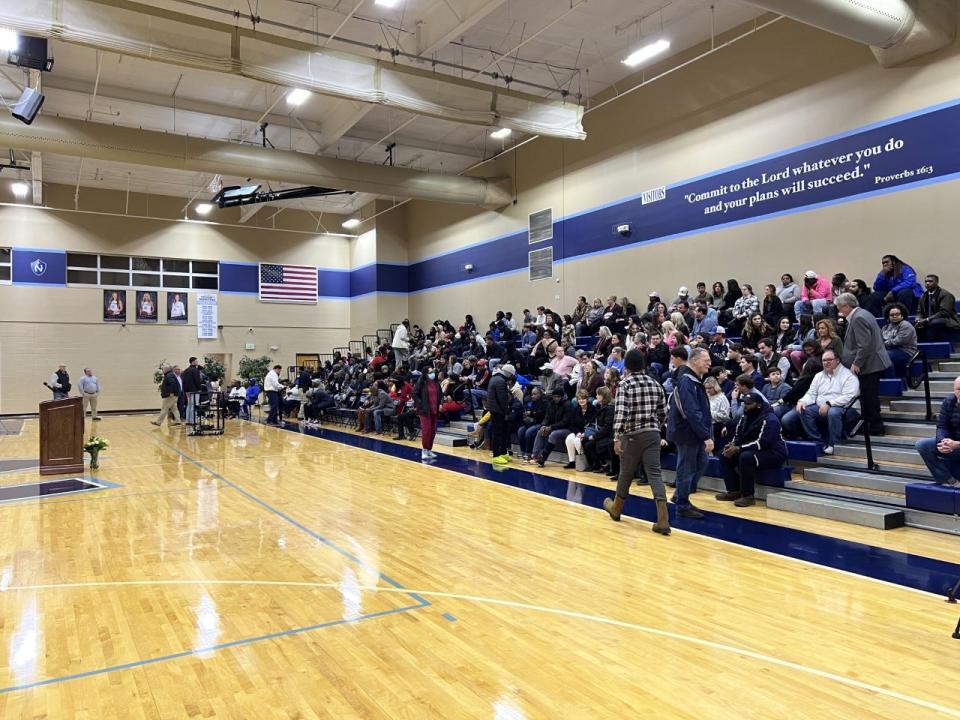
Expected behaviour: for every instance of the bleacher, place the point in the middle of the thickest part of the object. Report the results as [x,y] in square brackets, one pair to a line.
[884,486]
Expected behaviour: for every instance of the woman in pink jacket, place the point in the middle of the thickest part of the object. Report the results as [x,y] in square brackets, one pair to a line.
[816,295]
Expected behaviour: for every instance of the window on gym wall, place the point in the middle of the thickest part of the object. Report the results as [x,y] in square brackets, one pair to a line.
[4,264]
[122,271]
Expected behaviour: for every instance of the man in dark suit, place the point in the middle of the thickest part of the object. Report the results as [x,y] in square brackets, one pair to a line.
[936,311]
[192,383]
[866,355]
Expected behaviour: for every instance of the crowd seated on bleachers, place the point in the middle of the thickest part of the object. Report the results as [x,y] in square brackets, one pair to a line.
[784,349]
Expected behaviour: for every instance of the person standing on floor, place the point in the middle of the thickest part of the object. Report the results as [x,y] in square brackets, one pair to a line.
[401,344]
[426,402]
[639,412]
[89,388]
[498,405]
[865,353]
[59,383]
[192,384]
[272,388]
[170,395]
[690,428]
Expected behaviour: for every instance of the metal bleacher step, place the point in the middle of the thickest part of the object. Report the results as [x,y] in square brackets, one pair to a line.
[449,440]
[833,508]
[893,442]
[902,455]
[849,493]
[948,366]
[914,406]
[941,383]
[936,396]
[858,479]
[937,387]
[907,429]
[917,472]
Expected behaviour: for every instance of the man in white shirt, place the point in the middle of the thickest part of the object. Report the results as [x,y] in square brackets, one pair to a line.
[89,391]
[271,386]
[401,343]
[541,319]
[831,391]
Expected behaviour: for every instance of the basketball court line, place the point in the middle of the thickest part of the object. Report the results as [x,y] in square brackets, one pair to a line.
[208,649]
[316,536]
[893,568]
[420,601]
[517,605]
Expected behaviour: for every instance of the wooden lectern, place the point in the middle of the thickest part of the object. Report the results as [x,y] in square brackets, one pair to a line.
[61,436]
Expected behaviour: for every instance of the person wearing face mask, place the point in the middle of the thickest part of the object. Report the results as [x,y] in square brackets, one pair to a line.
[426,401]
[757,445]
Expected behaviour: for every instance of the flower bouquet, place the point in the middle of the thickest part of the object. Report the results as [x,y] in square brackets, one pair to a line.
[93,446]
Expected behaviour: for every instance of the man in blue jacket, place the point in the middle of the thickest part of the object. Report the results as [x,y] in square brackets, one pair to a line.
[757,445]
[690,428]
[896,282]
[942,453]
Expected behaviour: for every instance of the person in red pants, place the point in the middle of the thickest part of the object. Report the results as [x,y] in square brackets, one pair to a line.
[426,403]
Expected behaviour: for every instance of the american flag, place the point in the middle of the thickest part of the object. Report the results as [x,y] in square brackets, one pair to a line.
[288,283]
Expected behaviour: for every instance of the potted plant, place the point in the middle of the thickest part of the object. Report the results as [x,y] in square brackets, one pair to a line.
[93,446]
[255,367]
[213,369]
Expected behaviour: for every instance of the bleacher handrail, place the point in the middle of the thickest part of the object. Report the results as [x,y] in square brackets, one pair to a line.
[914,382]
[865,427]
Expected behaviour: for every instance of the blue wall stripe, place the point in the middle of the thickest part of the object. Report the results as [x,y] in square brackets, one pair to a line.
[930,153]
[239,278]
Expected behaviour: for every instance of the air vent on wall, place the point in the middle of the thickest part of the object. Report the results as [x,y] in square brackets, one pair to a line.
[541,264]
[540,226]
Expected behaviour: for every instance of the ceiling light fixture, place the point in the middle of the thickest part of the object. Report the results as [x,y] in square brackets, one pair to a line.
[646,52]
[20,189]
[386,3]
[9,40]
[351,223]
[297,96]
[501,134]
[203,208]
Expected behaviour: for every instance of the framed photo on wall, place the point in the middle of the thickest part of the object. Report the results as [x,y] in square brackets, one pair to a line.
[147,306]
[115,306]
[177,307]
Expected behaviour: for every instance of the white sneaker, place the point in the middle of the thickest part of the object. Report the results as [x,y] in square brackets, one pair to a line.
[425,455]
[828,449]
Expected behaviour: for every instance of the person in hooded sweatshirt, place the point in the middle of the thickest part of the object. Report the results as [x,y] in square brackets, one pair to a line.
[555,428]
[757,445]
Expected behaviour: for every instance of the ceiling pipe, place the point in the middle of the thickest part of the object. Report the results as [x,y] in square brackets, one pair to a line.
[896,30]
[881,23]
[78,138]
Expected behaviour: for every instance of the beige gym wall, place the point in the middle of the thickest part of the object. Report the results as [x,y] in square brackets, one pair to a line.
[786,85]
[40,326]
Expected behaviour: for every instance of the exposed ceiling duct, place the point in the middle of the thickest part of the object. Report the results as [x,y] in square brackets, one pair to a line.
[140,30]
[78,138]
[896,30]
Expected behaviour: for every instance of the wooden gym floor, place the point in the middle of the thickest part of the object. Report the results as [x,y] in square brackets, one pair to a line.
[274,574]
